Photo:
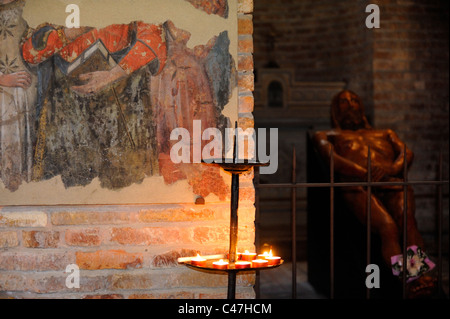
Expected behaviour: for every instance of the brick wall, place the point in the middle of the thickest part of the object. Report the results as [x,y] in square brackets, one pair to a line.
[321,40]
[410,88]
[122,251]
[130,251]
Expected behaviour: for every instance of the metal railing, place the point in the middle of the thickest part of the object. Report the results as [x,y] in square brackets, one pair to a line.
[332,185]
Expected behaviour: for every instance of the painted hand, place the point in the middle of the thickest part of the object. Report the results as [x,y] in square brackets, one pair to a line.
[20,79]
[96,81]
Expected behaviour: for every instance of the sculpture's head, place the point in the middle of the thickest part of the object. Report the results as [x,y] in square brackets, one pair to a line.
[347,112]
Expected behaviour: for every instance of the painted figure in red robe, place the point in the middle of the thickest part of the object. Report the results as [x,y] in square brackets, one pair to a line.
[128,111]
[138,44]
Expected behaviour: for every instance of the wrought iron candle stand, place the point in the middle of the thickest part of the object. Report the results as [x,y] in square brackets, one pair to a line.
[235,167]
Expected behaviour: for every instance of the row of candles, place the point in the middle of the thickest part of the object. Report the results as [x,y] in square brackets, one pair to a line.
[244,260]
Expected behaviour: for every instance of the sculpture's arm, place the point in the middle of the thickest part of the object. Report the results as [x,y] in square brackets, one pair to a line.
[399,147]
[342,165]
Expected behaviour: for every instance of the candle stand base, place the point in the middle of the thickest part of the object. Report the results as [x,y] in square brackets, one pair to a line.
[231,268]
[231,271]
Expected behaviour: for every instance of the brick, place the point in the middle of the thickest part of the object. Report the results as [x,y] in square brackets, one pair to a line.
[175,214]
[40,239]
[164,295]
[90,218]
[246,81]
[211,234]
[48,283]
[8,239]
[83,237]
[213,295]
[246,104]
[247,193]
[245,44]
[145,236]
[170,259]
[23,219]
[246,233]
[247,176]
[108,259]
[35,260]
[245,24]
[245,6]
[107,296]
[133,281]
[246,121]
[12,282]
[246,213]
[245,62]
[173,278]
[89,283]
[392,65]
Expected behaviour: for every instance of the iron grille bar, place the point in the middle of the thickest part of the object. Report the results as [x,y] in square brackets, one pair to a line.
[440,218]
[405,222]
[369,184]
[369,213]
[349,184]
[293,228]
[332,224]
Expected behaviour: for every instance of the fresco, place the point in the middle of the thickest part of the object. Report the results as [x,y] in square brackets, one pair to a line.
[99,103]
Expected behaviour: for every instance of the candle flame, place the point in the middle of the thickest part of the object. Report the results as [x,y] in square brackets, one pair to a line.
[198,257]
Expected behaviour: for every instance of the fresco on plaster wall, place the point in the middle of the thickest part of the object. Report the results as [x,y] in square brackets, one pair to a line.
[219,7]
[101,103]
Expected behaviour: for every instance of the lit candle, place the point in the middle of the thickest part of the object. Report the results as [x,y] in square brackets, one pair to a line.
[256,263]
[220,264]
[264,255]
[198,261]
[273,260]
[247,256]
[242,264]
